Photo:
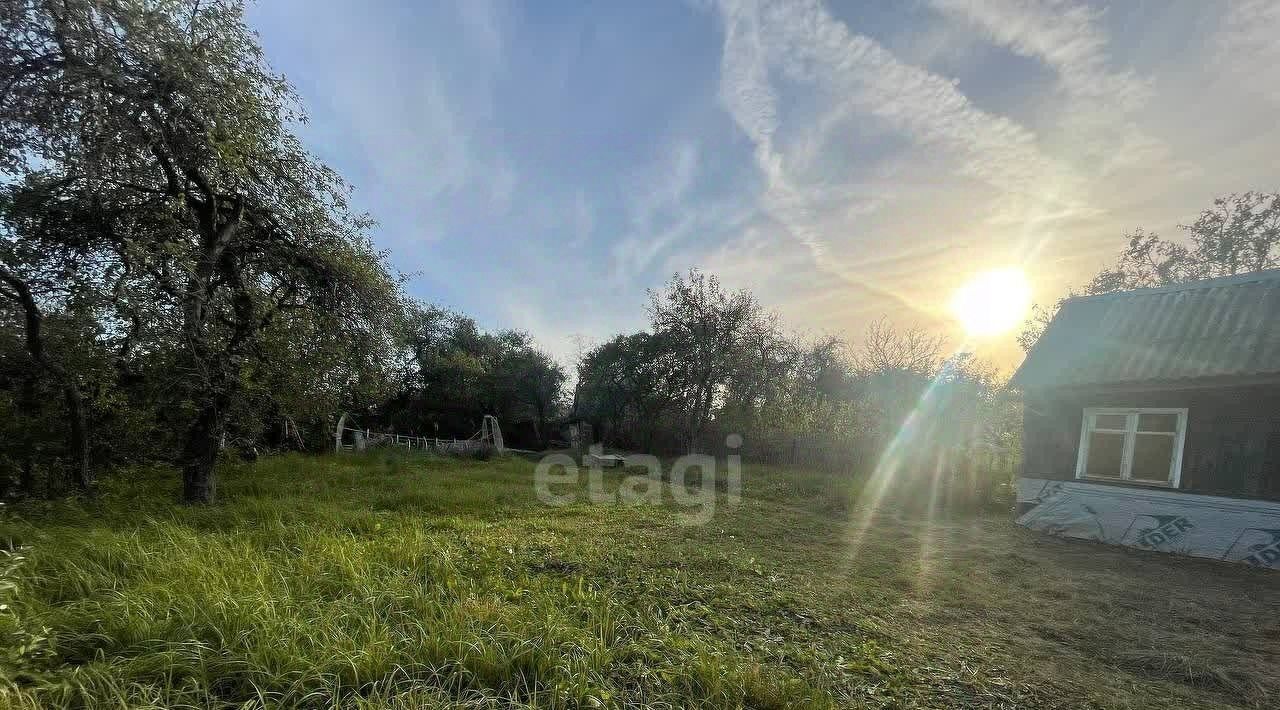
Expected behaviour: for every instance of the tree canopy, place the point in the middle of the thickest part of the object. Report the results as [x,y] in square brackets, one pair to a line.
[715,363]
[453,373]
[1239,233]
[158,177]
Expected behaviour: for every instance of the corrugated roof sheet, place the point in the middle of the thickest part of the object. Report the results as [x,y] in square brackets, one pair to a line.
[1223,327]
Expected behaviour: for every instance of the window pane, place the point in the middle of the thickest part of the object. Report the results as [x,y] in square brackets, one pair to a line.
[1158,422]
[1152,457]
[1110,421]
[1105,454]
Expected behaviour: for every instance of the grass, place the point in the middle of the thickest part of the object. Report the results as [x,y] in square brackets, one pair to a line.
[385,581]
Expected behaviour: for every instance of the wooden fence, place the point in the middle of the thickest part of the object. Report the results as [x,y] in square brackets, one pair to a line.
[457,447]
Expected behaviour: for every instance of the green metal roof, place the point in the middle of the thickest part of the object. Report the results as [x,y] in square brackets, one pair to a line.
[1218,328]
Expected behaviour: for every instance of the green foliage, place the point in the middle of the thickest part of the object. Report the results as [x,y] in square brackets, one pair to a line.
[1238,234]
[713,362]
[716,364]
[454,373]
[192,261]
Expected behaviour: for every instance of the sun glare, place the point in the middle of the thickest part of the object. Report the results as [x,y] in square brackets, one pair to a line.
[992,302]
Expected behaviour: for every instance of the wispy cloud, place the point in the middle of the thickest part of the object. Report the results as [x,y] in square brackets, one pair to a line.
[403,116]
[775,47]
[843,160]
[802,42]
[659,211]
[1095,117]
[1248,46]
[1065,36]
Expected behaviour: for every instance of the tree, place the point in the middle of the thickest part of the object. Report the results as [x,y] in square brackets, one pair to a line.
[886,348]
[895,367]
[1034,326]
[761,382]
[540,381]
[169,115]
[708,331]
[16,289]
[626,387]
[1238,234]
[454,373]
[43,243]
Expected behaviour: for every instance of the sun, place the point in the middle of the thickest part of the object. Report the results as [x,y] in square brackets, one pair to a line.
[992,302]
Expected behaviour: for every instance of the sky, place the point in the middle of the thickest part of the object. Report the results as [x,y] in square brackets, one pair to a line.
[539,165]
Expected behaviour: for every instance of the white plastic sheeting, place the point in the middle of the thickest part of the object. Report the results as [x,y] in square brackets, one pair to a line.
[1236,530]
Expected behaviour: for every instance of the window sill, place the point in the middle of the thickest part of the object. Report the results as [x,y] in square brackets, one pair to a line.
[1129,482]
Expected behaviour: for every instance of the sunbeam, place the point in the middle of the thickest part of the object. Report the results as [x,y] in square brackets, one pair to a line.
[891,462]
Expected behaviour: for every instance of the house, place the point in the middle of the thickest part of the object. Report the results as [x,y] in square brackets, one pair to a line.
[1152,419]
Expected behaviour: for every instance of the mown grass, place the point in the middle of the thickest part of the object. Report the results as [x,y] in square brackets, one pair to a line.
[387,581]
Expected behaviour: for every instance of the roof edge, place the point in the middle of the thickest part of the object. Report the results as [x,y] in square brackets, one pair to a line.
[1156,384]
[1265,275]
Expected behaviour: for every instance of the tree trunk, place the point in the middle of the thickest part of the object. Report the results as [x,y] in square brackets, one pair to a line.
[27,476]
[204,438]
[79,434]
[200,456]
[699,417]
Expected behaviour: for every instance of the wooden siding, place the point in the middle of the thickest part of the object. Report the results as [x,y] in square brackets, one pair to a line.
[1232,445]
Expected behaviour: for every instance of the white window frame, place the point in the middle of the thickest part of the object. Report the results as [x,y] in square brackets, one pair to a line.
[1130,433]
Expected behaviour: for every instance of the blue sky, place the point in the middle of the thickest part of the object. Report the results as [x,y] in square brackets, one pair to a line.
[538,165]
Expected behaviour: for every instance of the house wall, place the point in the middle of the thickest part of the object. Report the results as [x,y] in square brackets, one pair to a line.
[1232,444]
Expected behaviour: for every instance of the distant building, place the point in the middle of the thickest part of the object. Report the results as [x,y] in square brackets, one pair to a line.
[1152,419]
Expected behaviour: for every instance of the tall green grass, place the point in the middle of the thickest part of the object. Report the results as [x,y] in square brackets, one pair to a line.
[396,581]
[353,582]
